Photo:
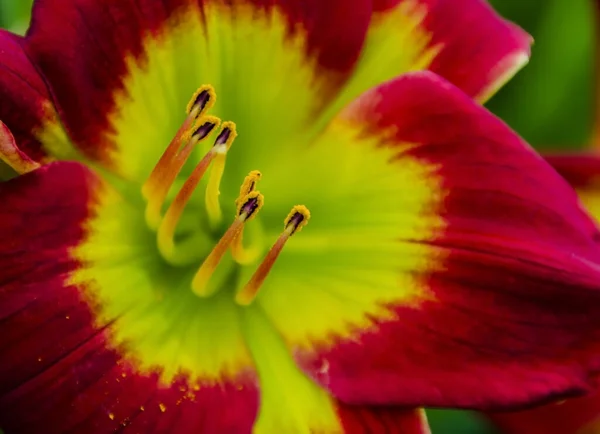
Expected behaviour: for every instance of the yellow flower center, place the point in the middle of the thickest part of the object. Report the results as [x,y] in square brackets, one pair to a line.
[196,128]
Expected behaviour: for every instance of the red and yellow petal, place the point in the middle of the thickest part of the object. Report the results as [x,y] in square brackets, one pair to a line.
[65,364]
[26,107]
[572,416]
[464,41]
[445,264]
[122,74]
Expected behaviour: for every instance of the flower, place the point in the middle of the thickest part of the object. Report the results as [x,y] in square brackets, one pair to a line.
[148,286]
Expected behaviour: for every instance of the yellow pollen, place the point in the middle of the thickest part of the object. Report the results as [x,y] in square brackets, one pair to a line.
[294,222]
[225,139]
[247,209]
[249,184]
[238,252]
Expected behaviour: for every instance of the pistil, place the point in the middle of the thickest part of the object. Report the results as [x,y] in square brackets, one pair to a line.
[295,221]
[247,209]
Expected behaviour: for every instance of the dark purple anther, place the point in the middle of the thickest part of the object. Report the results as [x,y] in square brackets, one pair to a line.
[295,221]
[204,130]
[223,137]
[202,99]
[249,207]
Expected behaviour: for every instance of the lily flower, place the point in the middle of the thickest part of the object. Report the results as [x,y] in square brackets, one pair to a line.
[331,243]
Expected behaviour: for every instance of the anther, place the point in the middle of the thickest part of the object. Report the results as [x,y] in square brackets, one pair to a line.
[238,252]
[166,230]
[157,196]
[249,184]
[294,222]
[202,100]
[246,210]
[222,144]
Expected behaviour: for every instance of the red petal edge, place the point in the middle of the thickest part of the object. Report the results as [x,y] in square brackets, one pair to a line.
[479,49]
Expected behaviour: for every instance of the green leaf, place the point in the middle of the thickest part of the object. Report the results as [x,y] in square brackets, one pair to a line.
[550,102]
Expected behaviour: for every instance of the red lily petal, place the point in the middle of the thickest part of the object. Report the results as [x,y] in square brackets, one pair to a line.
[578,415]
[58,372]
[478,51]
[94,54]
[380,420]
[573,416]
[26,107]
[503,312]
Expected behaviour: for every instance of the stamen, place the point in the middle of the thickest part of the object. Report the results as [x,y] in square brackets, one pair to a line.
[294,222]
[157,197]
[247,209]
[213,207]
[166,230]
[201,101]
[240,254]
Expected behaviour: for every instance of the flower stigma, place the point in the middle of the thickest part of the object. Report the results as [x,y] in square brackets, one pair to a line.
[197,127]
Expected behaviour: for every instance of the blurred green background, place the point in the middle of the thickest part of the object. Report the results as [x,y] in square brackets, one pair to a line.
[549,103]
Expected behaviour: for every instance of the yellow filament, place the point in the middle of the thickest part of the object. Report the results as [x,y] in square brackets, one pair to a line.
[166,230]
[157,196]
[213,207]
[294,222]
[241,254]
[208,267]
[200,282]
